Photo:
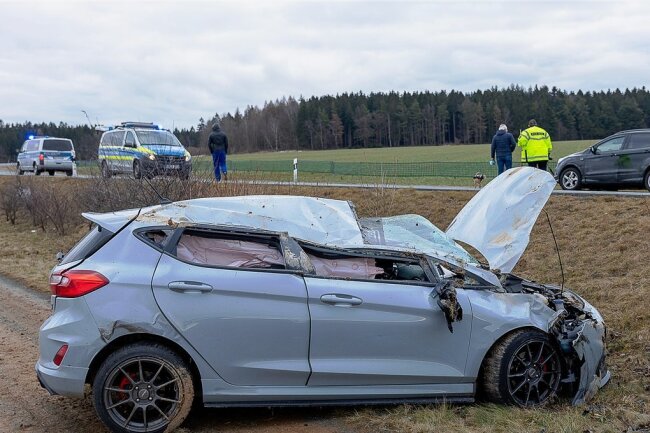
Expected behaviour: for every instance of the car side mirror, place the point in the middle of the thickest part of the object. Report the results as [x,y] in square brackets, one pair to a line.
[448,303]
[594,149]
[59,256]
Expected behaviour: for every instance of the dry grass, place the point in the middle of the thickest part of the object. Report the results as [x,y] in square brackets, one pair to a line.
[604,243]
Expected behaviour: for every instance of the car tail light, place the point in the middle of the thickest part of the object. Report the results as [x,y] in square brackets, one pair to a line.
[72,284]
[41,158]
[58,358]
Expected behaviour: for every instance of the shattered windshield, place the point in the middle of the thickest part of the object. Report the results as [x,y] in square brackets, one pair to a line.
[165,138]
[413,231]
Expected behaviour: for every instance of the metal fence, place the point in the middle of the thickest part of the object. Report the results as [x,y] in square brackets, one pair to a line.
[368,169]
[375,169]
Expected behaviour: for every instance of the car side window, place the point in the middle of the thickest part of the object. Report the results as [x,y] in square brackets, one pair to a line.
[156,237]
[335,264]
[611,145]
[105,141]
[226,250]
[130,139]
[639,141]
[118,138]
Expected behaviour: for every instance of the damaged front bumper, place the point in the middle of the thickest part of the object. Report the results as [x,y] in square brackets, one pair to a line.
[581,335]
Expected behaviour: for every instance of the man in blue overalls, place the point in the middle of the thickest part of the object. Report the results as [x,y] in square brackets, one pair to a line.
[218,144]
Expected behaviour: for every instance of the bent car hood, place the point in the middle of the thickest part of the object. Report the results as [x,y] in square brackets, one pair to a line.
[498,220]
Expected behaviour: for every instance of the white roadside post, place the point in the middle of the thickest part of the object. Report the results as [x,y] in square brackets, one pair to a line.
[295,170]
[74,168]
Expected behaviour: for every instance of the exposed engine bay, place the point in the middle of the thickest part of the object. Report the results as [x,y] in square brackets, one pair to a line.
[579,332]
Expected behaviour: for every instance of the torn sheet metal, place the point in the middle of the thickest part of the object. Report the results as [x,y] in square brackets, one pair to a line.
[587,338]
[498,220]
[589,345]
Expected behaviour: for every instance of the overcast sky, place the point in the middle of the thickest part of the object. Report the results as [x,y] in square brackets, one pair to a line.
[172,63]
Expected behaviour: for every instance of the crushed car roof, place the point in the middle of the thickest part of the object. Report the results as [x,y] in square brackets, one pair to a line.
[497,221]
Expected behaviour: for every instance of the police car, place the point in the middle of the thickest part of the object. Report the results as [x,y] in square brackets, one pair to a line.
[142,149]
[43,153]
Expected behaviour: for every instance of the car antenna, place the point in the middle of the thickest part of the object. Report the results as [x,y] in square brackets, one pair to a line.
[559,258]
[163,200]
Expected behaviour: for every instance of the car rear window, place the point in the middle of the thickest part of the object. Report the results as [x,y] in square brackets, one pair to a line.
[112,138]
[60,145]
[88,245]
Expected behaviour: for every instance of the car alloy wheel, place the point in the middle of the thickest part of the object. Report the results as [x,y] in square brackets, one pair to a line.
[570,179]
[143,388]
[142,394]
[522,369]
[533,373]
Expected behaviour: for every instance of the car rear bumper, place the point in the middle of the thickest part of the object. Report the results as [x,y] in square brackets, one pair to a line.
[56,165]
[65,380]
[71,325]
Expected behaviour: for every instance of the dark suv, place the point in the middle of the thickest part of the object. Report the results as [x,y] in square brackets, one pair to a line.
[620,160]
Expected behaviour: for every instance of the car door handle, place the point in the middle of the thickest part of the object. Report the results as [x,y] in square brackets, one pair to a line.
[189,287]
[339,300]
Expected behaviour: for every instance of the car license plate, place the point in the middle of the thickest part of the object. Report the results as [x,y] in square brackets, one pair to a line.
[172,167]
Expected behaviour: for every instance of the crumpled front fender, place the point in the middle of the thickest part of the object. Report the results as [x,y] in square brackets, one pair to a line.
[588,342]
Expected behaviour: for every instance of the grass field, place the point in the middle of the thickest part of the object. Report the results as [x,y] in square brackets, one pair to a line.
[449,153]
[453,153]
[605,260]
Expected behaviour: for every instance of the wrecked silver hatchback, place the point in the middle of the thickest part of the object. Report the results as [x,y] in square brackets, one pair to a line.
[289,300]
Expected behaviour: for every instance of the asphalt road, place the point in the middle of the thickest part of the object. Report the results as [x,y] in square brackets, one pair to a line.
[7,169]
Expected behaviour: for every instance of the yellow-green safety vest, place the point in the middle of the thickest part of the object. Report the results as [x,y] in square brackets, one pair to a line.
[535,144]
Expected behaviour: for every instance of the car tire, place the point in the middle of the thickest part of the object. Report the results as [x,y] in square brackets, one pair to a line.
[523,369]
[137,169]
[143,387]
[68,173]
[19,170]
[646,180]
[37,172]
[106,172]
[50,172]
[570,179]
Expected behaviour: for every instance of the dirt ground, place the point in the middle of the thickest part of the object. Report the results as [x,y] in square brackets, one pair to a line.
[26,407]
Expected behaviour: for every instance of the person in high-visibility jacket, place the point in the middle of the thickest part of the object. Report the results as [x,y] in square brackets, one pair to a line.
[535,146]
